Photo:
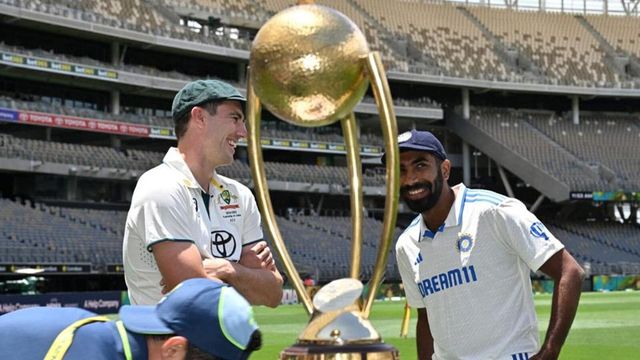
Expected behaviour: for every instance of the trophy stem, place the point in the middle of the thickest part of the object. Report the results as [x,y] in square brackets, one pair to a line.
[389,126]
[352,144]
[263,198]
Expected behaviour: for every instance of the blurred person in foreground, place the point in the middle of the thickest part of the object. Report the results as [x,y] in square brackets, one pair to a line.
[465,263]
[187,221]
[198,319]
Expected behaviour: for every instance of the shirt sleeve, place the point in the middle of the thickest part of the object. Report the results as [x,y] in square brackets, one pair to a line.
[164,215]
[252,224]
[407,273]
[525,234]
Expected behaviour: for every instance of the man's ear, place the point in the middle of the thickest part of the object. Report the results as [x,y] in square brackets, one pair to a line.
[445,167]
[198,117]
[174,348]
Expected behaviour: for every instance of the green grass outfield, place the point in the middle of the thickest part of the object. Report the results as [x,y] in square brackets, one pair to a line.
[607,326]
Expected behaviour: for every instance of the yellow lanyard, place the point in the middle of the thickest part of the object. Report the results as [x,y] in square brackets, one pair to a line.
[64,339]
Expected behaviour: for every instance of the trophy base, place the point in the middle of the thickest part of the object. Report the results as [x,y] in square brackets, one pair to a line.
[378,351]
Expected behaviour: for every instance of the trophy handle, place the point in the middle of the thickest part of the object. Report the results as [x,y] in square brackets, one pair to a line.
[352,145]
[264,199]
[389,126]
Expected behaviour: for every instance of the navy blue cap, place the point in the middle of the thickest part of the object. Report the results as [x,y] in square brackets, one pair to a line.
[211,315]
[420,141]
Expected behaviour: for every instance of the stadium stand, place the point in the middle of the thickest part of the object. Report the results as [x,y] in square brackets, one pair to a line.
[133,15]
[142,160]
[57,235]
[414,37]
[602,245]
[556,43]
[46,106]
[461,52]
[621,32]
[512,128]
[328,239]
[72,235]
[77,154]
[609,141]
[271,129]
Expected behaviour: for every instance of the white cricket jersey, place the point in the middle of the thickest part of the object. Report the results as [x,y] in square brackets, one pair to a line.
[472,276]
[168,205]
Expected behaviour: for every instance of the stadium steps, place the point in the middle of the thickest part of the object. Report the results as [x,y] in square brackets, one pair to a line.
[390,39]
[504,53]
[605,173]
[539,132]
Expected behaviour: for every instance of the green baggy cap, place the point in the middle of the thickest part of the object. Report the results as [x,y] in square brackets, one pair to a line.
[201,91]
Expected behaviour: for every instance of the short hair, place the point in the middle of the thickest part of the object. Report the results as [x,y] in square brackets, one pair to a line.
[182,123]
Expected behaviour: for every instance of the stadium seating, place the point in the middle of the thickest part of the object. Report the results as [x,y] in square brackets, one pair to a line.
[322,245]
[607,247]
[77,154]
[142,160]
[76,235]
[413,37]
[556,43]
[317,244]
[612,140]
[58,235]
[513,129]
[622,32]
[442,32]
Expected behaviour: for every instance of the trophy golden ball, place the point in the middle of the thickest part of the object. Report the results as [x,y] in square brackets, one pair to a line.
[306,65]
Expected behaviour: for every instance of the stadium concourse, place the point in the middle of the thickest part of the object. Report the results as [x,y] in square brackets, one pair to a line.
[539,105]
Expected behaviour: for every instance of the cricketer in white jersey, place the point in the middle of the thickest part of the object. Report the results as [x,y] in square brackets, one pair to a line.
[475,284]
[168,204]
[465,263]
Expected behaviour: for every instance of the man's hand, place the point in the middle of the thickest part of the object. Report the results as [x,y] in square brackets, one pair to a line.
[257,256]
[545,355]
[218,269]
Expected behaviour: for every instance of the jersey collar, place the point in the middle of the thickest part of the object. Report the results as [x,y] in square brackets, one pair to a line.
[174,160]
[455,214]
[454,218]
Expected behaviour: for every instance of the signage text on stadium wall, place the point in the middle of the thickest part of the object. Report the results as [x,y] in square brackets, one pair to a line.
[34,62]
[100,302]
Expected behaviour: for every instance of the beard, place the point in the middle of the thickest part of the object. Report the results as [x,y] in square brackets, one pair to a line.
[428,201]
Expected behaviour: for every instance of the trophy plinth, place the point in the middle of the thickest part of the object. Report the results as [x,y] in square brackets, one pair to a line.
[303,351]
[337,329]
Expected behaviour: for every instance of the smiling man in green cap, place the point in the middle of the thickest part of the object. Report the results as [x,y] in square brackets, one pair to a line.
[186,221]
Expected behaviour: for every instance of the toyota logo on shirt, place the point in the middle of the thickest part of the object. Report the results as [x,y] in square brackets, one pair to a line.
[223,244]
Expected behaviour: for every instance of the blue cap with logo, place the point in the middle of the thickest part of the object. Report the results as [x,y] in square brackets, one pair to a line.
[420,141]
[211,315]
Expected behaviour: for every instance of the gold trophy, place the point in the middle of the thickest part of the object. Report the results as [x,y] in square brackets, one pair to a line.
[310,65]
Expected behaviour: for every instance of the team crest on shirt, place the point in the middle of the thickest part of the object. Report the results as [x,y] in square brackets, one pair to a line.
[227,200]
[465,242]
[228,204]
[226,196]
